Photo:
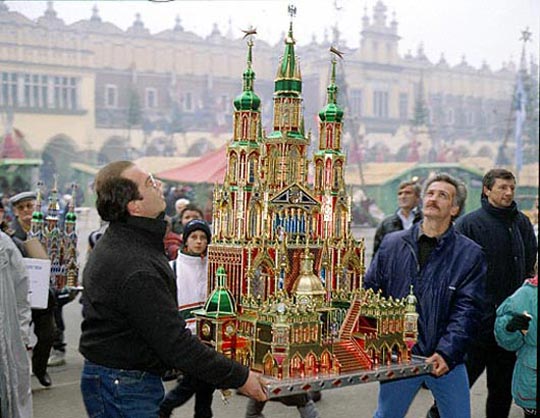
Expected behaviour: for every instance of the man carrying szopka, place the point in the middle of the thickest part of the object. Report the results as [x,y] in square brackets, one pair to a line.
[23,205]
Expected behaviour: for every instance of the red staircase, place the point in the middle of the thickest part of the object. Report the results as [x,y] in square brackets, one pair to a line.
[345,332]
[351,357]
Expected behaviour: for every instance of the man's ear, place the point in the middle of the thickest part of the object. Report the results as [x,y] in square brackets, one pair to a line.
[133,207]
[454,211]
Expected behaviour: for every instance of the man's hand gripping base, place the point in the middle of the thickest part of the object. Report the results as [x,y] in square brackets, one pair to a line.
[254,387]
[439,365]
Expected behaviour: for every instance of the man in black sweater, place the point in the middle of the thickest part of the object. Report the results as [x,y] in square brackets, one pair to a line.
[509,244]
[131,332]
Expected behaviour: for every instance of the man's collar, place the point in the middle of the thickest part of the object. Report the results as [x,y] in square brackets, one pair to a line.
[421,233]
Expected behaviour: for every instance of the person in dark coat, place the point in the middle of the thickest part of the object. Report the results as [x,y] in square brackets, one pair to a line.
[23,205]
[131,331]
[446,272]
[507,237]
[408,213]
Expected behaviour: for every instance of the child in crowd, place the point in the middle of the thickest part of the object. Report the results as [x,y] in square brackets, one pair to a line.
[173,236]
[516,329]
[191,267]
[188,213]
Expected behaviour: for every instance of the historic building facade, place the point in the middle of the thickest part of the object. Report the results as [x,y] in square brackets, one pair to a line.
[91,92]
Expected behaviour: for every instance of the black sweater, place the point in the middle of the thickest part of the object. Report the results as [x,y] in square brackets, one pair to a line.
[130,309]
[507,238]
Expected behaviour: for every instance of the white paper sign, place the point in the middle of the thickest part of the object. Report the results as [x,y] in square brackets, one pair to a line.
[39,272]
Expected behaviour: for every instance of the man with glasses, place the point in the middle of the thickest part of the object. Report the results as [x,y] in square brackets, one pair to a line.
[23,205]
[131,332]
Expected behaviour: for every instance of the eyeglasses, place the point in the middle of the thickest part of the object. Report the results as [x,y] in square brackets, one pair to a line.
[152,182]
[25,206]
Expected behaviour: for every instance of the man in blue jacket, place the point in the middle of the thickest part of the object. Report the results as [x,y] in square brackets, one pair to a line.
[507,238]
[447,272]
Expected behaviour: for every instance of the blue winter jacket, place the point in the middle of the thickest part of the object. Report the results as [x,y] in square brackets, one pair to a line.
[524,379]
[449,289]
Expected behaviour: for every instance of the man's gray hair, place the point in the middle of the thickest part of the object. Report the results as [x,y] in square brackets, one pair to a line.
[461,189]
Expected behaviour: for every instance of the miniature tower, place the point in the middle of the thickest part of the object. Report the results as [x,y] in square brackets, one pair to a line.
[286,147]
[70,242]
[60,244]
[36,226]
[216,322]
[410,323]
[53,240]
[329,163]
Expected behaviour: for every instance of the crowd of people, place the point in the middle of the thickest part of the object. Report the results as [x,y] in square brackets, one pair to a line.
[474,277]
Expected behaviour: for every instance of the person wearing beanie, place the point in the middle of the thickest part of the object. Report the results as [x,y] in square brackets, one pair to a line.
[173,238]
[191,271]
[192,226]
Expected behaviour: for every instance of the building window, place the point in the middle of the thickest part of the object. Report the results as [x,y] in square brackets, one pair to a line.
[403,106]
[450,117]
[38,91]
[33,93]
[65,93]
[8,94]
[151,98]
[188,102]
[111,96]
[45,90]
[380,104]
[470,118]
[356,102]
[224,102]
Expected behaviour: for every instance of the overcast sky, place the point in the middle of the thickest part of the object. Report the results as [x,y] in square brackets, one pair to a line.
[479,29]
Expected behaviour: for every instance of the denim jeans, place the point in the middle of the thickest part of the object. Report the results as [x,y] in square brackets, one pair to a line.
[117,393]
[451,392]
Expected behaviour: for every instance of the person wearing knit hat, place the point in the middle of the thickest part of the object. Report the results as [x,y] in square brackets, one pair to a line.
[191,271]
[196,225]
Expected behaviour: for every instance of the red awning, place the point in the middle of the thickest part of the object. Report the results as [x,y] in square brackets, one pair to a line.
[210,168]
[11,148]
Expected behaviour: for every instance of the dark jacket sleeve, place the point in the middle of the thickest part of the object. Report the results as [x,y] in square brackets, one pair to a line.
[153,314]
[379,234]
[530,244]
[466,307]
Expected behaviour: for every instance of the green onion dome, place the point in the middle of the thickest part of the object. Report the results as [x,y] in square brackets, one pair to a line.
[248,100]
[71,217]
[221,301]
[332,112]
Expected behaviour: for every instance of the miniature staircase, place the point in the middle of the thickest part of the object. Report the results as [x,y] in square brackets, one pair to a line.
[351,357]
[350,320]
